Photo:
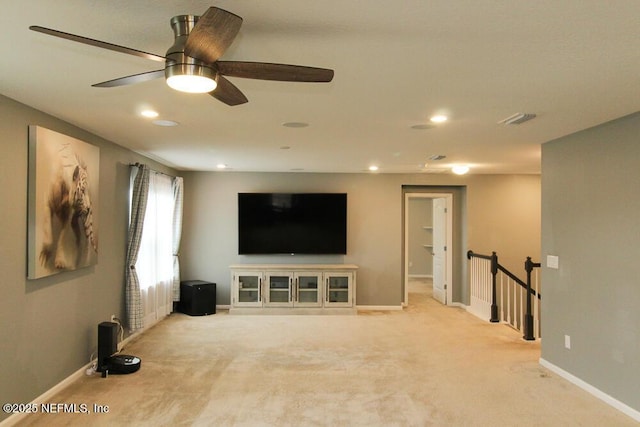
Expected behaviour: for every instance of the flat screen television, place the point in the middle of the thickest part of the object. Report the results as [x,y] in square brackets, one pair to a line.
[292,223]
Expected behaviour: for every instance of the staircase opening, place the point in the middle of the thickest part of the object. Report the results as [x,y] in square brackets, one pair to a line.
[498,295]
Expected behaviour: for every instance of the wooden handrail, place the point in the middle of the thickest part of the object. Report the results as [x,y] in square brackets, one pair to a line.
[471,254]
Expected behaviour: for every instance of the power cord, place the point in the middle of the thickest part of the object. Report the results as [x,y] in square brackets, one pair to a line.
[92,367]
[120,332]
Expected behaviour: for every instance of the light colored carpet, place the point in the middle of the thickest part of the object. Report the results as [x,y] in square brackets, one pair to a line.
[428,365]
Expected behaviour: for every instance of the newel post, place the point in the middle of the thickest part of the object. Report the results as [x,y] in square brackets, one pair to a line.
[528,317]
[494,293]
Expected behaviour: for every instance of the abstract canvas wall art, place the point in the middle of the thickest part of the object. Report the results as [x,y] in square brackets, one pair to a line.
[62,203]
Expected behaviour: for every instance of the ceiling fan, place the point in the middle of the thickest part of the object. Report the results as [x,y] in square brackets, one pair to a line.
[192,63]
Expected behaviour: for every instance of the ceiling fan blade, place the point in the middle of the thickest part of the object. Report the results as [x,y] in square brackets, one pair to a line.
[228,93]
[97,43]
[279,72]
[129,80]
[212,35]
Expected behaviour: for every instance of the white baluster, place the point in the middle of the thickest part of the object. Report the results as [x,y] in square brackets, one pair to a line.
[510,304]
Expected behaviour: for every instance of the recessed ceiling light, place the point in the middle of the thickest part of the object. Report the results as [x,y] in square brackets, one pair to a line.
[460,169]
[149,113]
[166,123]
[438,118]
[295,124]
[373,168]
[221,166]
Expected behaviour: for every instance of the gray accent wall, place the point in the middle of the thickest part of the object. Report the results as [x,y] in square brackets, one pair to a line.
[49,326]
[590,217]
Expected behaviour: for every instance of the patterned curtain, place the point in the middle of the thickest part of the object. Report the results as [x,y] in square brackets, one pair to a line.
[138,210]
[177,233]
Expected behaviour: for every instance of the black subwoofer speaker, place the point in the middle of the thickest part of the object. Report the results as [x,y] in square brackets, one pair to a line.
[197,297]
[107,343]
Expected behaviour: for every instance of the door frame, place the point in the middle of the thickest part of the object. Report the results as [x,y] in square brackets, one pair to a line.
[449,241]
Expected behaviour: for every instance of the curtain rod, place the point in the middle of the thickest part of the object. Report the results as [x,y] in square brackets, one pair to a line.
[152,170]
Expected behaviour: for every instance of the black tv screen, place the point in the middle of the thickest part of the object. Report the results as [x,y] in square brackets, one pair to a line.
[292,223]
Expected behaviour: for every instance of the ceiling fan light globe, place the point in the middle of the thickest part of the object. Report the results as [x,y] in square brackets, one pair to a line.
[191,83]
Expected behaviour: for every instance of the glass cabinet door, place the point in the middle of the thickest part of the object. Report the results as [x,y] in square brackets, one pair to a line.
[308,289]
[248,289]
[338,290]
[280,289]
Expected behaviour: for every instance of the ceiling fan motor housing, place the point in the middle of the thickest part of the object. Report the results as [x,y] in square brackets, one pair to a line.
[179,64]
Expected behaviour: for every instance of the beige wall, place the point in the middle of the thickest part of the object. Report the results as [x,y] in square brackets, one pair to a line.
[49,325]
[502,214]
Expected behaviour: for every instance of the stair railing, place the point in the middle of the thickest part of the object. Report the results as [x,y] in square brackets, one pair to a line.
[501,296]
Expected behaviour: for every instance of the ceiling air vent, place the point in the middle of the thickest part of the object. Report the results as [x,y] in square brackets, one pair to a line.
[517,118]
[428,169]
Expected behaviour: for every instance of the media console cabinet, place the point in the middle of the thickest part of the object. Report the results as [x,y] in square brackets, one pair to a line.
[293,289]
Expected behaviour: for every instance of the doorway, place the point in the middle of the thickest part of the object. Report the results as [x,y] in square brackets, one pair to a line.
[434,230]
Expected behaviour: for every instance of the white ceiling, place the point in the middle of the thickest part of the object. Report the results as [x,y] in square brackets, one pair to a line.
[574,63]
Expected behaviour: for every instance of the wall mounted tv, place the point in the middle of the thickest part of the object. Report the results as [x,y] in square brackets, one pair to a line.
[292,223]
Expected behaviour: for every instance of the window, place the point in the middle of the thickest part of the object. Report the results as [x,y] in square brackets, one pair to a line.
[155,258]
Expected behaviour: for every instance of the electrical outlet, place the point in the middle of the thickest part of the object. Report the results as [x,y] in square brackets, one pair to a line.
[567,342]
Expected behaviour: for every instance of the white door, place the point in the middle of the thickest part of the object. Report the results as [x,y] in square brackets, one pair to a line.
[439,250]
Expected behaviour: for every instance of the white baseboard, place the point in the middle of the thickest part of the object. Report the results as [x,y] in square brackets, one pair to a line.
[47,395]
[378,307]
[122,344]
[223,307]
[625,409]
[295,311]
[459,304]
